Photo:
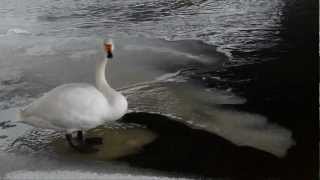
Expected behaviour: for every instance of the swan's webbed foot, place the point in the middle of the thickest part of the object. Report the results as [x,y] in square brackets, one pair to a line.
[83,145]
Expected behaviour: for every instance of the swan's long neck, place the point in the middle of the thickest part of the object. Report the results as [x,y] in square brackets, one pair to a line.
[101,81]
[118,103]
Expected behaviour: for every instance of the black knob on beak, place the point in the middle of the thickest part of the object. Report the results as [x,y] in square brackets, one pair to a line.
[109,55]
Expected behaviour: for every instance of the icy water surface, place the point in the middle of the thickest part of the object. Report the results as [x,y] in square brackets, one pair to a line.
[190,116]
[155,77]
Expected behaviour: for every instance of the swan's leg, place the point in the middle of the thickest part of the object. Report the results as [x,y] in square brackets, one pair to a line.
[69,139]
[80,137]
[88,141]
[81,147]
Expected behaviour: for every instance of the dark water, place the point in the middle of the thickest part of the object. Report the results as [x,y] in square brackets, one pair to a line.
[217,89]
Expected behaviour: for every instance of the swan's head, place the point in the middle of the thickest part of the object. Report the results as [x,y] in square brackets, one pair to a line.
[108,48]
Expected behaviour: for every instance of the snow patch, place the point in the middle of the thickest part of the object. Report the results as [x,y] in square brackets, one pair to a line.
[79,175]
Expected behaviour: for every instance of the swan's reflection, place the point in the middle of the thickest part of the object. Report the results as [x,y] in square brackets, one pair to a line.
[119,140]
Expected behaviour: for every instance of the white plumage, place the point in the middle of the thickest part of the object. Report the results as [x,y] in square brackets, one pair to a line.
[71,106]
[77,106]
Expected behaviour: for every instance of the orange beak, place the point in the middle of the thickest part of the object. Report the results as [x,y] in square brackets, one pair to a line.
[108,47]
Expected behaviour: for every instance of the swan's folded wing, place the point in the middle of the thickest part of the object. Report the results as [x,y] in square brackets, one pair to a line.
[71,105]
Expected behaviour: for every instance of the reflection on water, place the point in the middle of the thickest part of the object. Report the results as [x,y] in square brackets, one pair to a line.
[156,141]
[203,108]
[118,141]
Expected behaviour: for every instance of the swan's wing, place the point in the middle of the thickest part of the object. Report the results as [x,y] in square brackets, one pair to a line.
[71,105]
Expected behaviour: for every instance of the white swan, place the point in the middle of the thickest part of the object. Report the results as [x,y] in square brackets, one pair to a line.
[78,106]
